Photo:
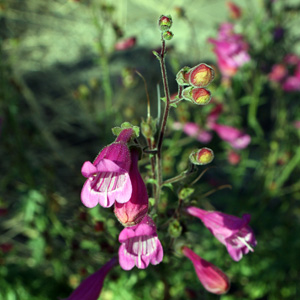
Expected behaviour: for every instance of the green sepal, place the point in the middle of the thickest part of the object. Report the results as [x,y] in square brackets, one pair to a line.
[117,130]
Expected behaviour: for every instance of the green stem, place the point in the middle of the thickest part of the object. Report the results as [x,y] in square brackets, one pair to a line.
[164,120]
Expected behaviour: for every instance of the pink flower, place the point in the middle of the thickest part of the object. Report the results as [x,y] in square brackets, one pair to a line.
[107,177]
[133,211]
[125,44]
[211,277]
[278,72]
[236,138]
[194,130]
[140,246]
[292,83]
[231,231]
[231,50]
[233,157]
[90,288]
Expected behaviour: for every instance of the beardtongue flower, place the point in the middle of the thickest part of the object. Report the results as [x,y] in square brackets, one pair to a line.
[140,245]
[108,176]
[236,138]
[90,288]
[133,211]
[231,231]
[231,50]
[211,277]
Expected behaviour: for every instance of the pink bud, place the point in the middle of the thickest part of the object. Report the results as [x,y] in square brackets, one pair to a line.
[235,11]
[201,75]
[133,211]
[125,44]
[202,156]
[165,22]
[211,277]
[199,96]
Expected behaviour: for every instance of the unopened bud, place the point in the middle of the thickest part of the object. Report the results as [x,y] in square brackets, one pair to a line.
[148,128]
[175,229]
[182,76]
[165,22]
[201,75]
[202,156]
[168,35]
[199,96]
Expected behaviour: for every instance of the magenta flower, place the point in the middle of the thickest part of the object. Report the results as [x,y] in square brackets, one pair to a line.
[194,130]
[107,177]
[236,138]
[231,231]
[231,50]
[90,288]
[140,246]
[133,211]
[211,277]
[125,44]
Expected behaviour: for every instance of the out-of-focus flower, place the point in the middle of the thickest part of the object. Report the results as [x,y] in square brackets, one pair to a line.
[278,34]
[194,130]
[235,11]
[211,277]
[231,50]
[140,245]
[133,211]
[278,72]
[125,44]
[233,232]
[287,73]
[233,157]
[6,247]
[236,138]
[297,124]
[108,176]
[90,288]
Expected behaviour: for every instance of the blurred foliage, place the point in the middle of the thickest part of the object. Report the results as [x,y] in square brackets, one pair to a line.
[55,114]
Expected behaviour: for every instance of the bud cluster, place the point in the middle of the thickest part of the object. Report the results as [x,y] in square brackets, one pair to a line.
[165,23]
[197,78]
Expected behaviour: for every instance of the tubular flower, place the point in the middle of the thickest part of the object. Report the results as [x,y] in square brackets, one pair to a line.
[211,277]
[140,246]
[230,49]
[231,231]
[90,288]
[133,211]
[236,138]
[108,176]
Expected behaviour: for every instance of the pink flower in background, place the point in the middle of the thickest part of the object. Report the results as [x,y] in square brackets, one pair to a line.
[287,73]
[211,277]
[194,130]
[231,50]
[108,176]
[231,231]
[125,44]
[297,124]
[140,246]
[133,211]
[90,288]
[236,138]
[233,158]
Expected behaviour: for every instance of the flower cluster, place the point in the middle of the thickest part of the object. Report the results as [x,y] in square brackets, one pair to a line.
[287,73]
[113,180]
[231,50]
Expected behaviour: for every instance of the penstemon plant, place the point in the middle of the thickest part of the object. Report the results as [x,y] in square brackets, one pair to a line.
[114,179]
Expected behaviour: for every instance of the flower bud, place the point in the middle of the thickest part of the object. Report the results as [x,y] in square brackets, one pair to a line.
[201,75]
[211,277]
[168,35]
[174,229]
[202,156]
[165,22]
[199,96]
[182,76]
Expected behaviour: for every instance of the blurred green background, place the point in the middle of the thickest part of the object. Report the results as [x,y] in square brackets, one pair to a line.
[64,86]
